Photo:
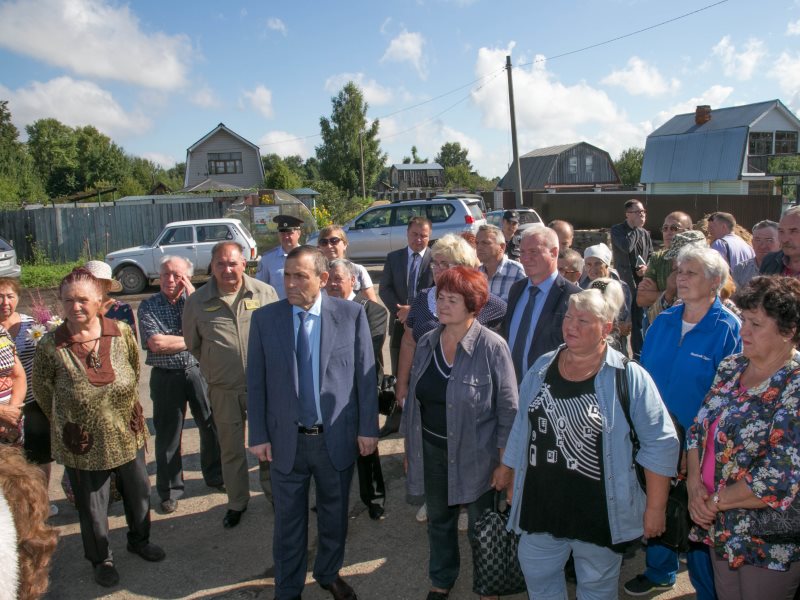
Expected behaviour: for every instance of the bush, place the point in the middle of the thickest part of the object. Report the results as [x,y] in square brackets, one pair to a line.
[45,276]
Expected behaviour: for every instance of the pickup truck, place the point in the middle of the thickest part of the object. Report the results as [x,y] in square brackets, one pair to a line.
[135,267]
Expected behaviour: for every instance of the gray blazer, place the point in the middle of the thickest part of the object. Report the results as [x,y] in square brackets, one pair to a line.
[481,406]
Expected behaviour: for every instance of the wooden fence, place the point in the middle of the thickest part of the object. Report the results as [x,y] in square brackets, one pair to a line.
[67,232]
[596,210]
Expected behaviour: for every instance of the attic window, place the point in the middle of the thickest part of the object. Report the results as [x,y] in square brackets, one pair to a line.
[573,165]
[224,163]
[760,143]
[589,164]
[785,142]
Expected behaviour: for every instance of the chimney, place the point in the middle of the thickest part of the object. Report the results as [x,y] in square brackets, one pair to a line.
[702,114]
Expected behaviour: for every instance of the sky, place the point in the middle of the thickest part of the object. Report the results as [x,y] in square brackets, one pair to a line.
[158,76]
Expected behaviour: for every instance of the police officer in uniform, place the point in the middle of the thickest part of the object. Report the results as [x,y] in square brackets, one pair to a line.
[510,227]
[270,269]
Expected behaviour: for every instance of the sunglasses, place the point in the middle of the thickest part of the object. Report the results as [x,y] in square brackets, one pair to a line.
[332,241]
[675,228]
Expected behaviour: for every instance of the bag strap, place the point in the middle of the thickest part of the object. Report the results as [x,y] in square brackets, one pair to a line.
[624,396]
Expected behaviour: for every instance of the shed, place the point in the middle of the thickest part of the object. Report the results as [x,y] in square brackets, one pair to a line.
[417,176]
[563,167]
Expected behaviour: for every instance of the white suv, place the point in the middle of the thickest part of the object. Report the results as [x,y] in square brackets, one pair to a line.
[135,267]
[380,229]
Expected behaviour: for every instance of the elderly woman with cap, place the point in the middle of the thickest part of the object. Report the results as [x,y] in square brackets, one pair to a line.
[270,268]
[597,265]
[681,351]
[112,309]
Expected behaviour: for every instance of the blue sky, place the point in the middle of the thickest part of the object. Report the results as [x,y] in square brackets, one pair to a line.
[157,76]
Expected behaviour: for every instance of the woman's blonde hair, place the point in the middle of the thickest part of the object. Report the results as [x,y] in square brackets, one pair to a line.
[455,250]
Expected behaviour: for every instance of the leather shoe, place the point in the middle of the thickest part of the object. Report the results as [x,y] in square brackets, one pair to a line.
[169,506]
[340,590]
[105,574]
[375,512]
[232,518]
[148,551]
[434,595]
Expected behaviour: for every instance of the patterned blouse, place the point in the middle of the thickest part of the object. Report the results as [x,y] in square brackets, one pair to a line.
[757,438]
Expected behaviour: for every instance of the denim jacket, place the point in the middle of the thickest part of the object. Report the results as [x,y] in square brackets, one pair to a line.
[481,404]
[659,450]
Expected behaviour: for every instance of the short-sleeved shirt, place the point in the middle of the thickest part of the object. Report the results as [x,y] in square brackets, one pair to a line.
[122,311]
[733,249]
[659,269]
[270,270]
[158,316]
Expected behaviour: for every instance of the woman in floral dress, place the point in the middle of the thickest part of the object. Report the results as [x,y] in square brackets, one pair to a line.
[743,455]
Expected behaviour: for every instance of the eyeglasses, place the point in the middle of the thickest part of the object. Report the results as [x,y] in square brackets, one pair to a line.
[674,228]
[566,271]
[636,212]
[333,241]
[441,266]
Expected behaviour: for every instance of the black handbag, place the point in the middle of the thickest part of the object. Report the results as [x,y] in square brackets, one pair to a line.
[386,397]
[774,526]
[678,522]
[494,555]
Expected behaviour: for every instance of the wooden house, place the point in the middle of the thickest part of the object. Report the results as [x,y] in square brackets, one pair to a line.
[226,157]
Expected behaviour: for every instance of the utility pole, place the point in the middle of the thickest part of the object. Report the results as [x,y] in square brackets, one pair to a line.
[518,179]
[363,184]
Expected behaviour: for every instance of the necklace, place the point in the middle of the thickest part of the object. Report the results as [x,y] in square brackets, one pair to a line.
[93,355]
[568,371]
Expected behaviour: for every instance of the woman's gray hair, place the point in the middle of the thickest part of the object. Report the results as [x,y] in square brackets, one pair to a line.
[456,250]
[604,301]
[714,266]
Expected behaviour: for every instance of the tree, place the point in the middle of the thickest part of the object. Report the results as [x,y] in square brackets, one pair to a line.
[338,205]
[281,177]
[414,158]
[459,176]
[52,146]
[629,165]
[453,155]
[339,154]
[18,181]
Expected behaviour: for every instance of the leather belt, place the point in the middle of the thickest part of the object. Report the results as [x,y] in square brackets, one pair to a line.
[315,430]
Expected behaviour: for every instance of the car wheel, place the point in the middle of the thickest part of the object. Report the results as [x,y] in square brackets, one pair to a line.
[132,279]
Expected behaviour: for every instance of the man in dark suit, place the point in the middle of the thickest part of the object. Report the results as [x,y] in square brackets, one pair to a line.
[341,279]
[313,407]
[536,305]
[406,272]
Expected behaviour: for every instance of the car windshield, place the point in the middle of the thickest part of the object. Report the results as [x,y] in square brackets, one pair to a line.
[4,246]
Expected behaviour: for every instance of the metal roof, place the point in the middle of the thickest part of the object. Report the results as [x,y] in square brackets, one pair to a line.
[210,184]
[550,150]
[418,167]
[302,192]
[682,151]
[537,167]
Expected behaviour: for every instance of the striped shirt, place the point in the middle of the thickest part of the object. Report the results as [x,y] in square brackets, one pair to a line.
[508,272]
[26,348]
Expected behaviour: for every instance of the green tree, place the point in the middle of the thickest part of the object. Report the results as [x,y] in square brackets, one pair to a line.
[101,162]
[459,176]
[452,155]
[789,183]
[414,158]
[18,181]
[339,154]
[281,177]
[311,169]
[336,202]
[52,147]
[629,165]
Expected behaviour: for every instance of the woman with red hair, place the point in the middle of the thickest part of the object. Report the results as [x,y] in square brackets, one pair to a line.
[463,402]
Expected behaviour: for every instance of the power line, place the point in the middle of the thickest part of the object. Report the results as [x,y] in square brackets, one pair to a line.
[494,74]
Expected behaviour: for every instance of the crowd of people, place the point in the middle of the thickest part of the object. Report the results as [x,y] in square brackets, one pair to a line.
[578,388]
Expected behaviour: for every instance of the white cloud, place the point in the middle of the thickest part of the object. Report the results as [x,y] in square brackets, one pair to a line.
[261,100]
[205,97]
[408,47]
[640,78]
[94,38]
[743,64]
[793,28]
[374,93]
[275,24]
[384,29]
[786,71]
[165,161]
[283,143]
[74,103]
[715,97]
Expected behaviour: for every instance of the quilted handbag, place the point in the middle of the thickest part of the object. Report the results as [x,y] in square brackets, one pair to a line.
[494,555]
[775,526]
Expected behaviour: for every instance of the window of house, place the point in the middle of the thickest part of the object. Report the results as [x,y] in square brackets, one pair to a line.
[785,142]
[224,163]
[589,164]
[760,142]
[573,165]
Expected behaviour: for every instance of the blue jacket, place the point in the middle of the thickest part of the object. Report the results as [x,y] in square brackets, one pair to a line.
[684,369]
[659,450]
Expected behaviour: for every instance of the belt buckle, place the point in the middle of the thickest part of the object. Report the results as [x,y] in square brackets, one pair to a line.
[315,430]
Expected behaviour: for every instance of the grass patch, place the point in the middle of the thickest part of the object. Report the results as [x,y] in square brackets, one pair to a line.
[45,276]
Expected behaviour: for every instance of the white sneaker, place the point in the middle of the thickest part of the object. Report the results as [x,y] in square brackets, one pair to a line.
[463,520]
[422,513]
[53,510]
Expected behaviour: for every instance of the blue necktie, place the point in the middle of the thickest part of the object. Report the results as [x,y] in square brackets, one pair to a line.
[518,352]
[305,376]
[412,277]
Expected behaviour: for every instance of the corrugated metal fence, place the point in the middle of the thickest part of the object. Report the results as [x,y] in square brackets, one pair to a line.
[595,210]
[68,233]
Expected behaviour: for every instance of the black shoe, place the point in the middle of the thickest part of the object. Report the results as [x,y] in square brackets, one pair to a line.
[219,487]
[232,518]
[148,551]
[375,512]
[340,590]
[434,595]
[392,424]
[105,574]
[169,506]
